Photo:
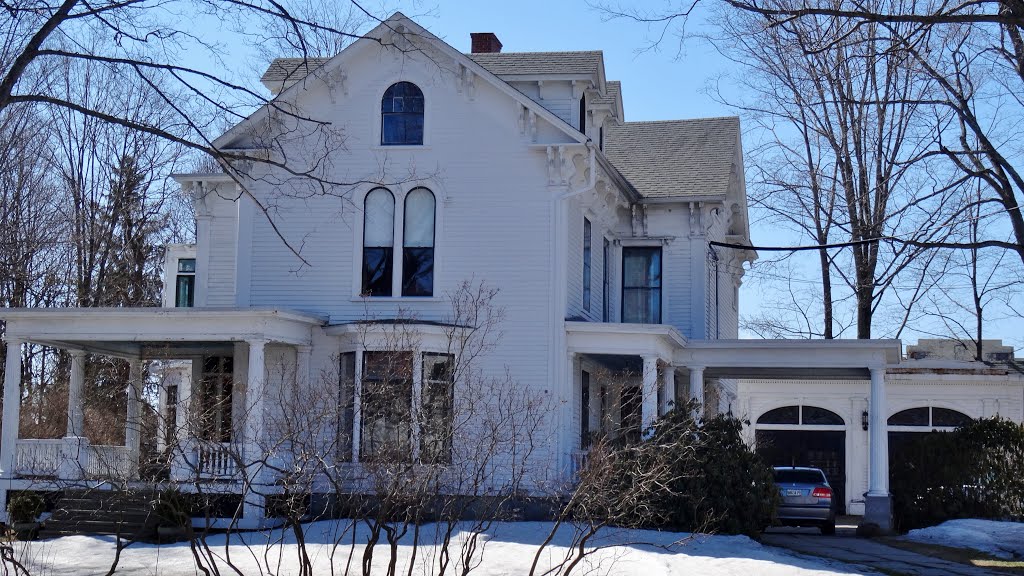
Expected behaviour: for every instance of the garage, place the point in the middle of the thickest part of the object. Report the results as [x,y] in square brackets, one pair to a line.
[905,425]
[805,436]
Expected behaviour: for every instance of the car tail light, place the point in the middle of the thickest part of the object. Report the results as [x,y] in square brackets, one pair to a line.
[822,492]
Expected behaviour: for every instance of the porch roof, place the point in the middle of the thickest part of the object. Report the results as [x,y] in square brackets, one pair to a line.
[790,359]
[156,332]
[781,359]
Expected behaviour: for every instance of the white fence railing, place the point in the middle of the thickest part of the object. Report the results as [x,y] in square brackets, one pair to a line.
[216,459]
[109,462]
[38,457]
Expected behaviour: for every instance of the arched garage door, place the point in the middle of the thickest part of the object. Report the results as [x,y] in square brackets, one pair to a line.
[906,424]
[805,436]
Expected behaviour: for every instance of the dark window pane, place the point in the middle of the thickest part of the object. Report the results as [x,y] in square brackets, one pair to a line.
[215,403]
[821,417]
[586,263]
[187,265]
[947,417]
[377,264]
[784,415]
[402,115]
[346,404]
[438,397]
[386,403]
[641,285]
[417,272]
[184,291]
[606,300]
[911,417]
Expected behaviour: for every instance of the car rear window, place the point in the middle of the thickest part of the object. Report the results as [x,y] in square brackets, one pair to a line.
[799,476]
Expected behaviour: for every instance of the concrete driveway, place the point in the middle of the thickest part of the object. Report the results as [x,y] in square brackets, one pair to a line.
[871,554]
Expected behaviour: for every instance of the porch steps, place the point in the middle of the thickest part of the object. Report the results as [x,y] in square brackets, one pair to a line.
[129,514]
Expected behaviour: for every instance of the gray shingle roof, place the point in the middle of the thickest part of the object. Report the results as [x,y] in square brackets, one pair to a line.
[676,157]
[529,63]
[291,68]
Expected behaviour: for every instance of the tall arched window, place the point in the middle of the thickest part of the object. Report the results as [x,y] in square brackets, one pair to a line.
[401,112]
[378,242]
[418,244]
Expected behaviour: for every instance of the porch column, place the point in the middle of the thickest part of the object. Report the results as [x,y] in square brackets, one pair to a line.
[74,459]
[12,408]
[877,503]
[697,387]
[668,396]
[76,413]
[254,511]
[302,366]
[133,420]
[649,393]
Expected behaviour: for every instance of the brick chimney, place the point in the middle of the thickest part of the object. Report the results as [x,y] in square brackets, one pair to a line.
[485,43]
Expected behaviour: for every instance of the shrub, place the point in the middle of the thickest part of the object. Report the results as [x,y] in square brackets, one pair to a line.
[686,476]
[172,510]
[25,507]
[976,471]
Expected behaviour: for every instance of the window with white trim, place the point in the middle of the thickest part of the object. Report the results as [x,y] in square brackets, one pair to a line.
[401,115]
[641,284]
[185,283]
[378,242]
[418,244]
[586,263]
[386,407]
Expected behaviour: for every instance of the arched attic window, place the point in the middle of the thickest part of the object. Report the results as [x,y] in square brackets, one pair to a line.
[418,244]
[401,115]
[378,242]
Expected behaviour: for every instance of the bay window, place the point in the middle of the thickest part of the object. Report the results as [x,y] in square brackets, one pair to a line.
[386,406]
[437,397]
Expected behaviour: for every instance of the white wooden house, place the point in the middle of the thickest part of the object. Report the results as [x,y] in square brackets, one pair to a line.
[515,169]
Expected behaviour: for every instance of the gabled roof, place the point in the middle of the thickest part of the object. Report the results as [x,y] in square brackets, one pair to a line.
[539,63]
[395,23]
[282,69]
[676,158]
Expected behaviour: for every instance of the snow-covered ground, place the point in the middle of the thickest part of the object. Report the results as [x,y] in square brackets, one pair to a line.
[1000,539]
[508,548]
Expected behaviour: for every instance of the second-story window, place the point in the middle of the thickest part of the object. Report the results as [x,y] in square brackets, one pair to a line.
[586,263]
[378,242]
[401,111]
[418,244]
[606,282]
[641,284]
[185,283]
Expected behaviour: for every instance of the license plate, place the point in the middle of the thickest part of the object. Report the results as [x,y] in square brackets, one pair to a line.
[794,492]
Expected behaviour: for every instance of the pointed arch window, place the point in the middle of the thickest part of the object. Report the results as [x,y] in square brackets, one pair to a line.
[378,242]
[418,244]
[401,111]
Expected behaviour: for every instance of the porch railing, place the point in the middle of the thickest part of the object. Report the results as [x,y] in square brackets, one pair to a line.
[109,462]
[216,460]
[38,457]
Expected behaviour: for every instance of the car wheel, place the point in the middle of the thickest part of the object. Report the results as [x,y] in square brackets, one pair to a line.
[829,527]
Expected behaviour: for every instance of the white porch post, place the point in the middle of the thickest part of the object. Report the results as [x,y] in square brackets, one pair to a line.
[878,505]
[133,420]
[76,414]
[183,464]
[697,387]
[254,511]
[668,383]
[74,460]
[649,392]
[302,366]
[12,410]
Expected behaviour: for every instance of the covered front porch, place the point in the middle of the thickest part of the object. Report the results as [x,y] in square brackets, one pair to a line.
[224,349]
[658,356]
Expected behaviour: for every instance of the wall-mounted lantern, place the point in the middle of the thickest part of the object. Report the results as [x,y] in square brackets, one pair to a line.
[864,420]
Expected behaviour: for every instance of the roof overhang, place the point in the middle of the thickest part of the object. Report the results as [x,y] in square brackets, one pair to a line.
[661,340]
[790,359]
[156,332]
